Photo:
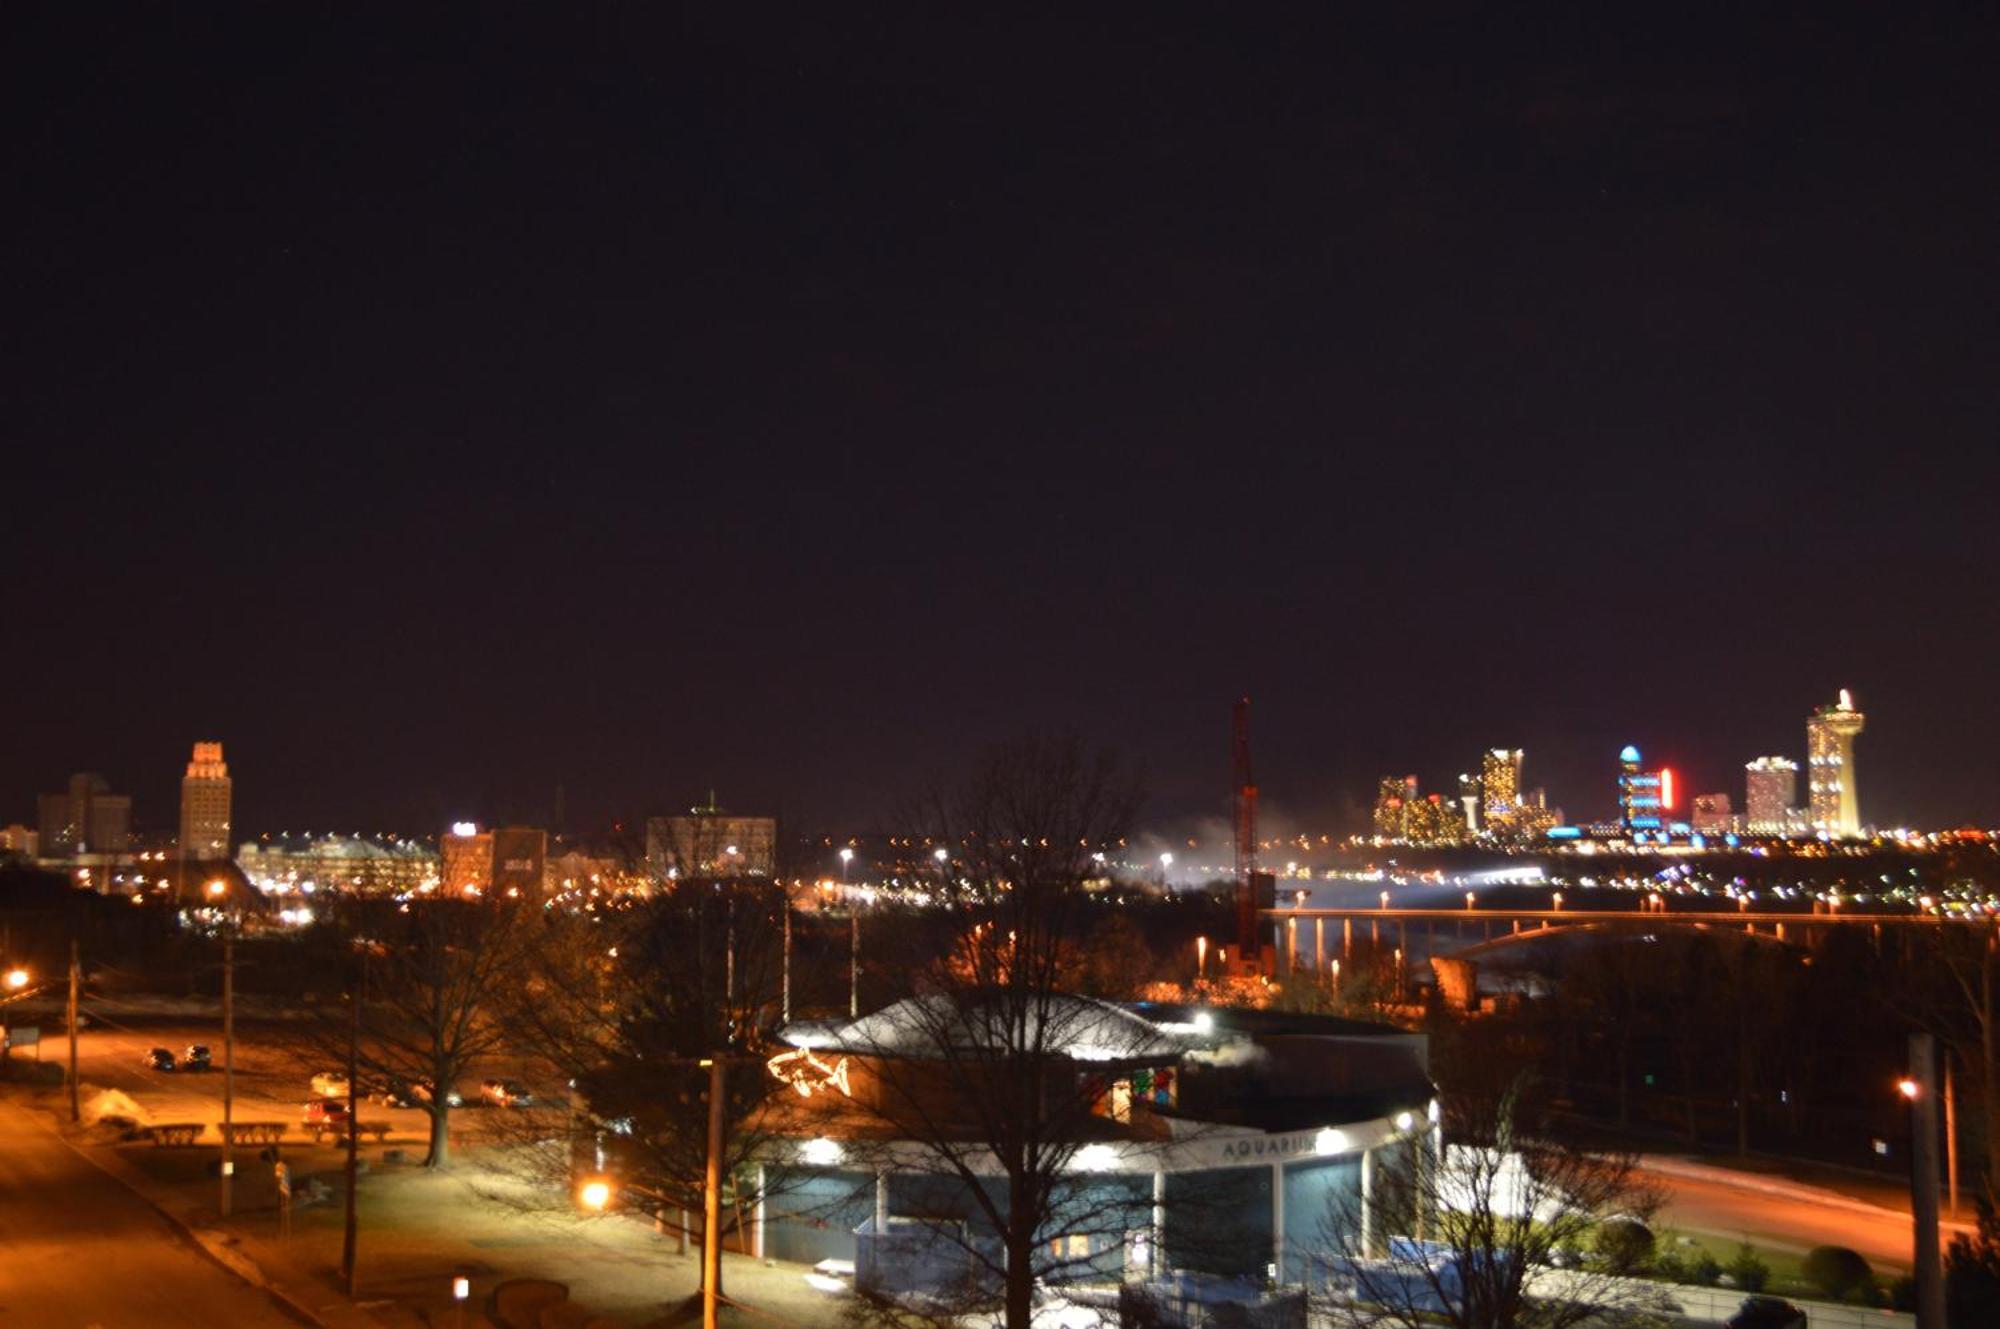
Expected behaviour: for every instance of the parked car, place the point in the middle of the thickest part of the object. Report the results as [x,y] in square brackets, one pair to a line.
[325,1112]
[1767,1313]
[414,1093]
[506,1093]
[423,1091]
[196,1058]
[330,1084]
[159,1059]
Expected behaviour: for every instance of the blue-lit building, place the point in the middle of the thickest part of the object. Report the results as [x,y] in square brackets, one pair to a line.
[1641,802]
[1206,1145]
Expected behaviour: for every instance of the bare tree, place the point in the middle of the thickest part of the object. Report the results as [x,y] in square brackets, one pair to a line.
[627,1003]
[1004,1098]
[1508,1230]
[436,969]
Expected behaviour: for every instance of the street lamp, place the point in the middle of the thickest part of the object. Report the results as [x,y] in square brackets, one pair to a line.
[1919,1090]
[846,857]
[595,1194]
[941,855]
[17,979]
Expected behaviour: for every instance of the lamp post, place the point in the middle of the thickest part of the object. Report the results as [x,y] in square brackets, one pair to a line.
[853,940]
[75,981]
[1919,1087]
[711,1202]
[217,889]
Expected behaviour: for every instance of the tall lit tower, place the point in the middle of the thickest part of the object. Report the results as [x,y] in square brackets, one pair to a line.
[205,792]
[1246,833]
[1643,795]
[1830,731]
[1500,783]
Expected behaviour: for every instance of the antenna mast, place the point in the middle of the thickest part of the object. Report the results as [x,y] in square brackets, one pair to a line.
[1246,836]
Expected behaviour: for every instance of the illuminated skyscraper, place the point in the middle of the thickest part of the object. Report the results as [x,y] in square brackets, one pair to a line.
[1770,788]
[1830,731]
[1641,796]
[1501,784]
[87,819]
[1393,796]
[205,798]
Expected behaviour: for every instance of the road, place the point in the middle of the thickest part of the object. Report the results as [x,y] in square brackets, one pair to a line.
[1794,1221]
[80,1250]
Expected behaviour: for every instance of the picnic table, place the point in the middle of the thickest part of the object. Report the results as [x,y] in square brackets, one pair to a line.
[373,1130]
[175,1133]
[253,1132]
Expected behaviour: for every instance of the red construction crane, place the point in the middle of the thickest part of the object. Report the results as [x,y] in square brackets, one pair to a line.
[1246,837]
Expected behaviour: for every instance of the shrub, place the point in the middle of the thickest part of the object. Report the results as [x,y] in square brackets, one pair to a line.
[1668,1267]
[1838,1272]
[1625,1244]
[1747,1271]
[1706,1270]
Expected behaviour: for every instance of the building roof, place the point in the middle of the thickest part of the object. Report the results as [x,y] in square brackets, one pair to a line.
[1079,1028]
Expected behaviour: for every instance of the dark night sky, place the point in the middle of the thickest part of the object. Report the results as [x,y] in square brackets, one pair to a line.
[437,409]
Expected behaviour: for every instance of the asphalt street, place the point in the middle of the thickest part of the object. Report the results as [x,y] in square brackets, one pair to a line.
[1788,1222]
[80,1251]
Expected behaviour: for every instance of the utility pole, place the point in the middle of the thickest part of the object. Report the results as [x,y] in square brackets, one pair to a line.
[1924,1180]
[75,980]
[1950,1138]
[785,982]
[228,1065]
[711,1202]
[853,959]
[350,1231]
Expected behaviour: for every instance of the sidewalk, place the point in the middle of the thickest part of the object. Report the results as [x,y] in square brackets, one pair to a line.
[264,1265]
[419,1229]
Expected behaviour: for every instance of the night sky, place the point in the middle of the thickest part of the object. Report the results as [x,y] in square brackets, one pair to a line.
[438,409]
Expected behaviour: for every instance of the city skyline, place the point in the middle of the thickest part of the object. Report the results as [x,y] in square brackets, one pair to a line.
[1766,789]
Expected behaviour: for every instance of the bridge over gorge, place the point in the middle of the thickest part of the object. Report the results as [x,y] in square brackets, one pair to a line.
[1317,939]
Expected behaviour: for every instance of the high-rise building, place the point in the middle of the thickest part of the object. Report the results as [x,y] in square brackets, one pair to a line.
[1468,799]
[1830,732]
[87,819]
[1770,793]
[1393,796]
[520,860]
[709,842]
[1501,785]
[465,859]
[1642,800]
[1712,815]
[205,799]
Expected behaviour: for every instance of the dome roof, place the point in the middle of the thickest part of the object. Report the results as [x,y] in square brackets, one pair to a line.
[1080,1028]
